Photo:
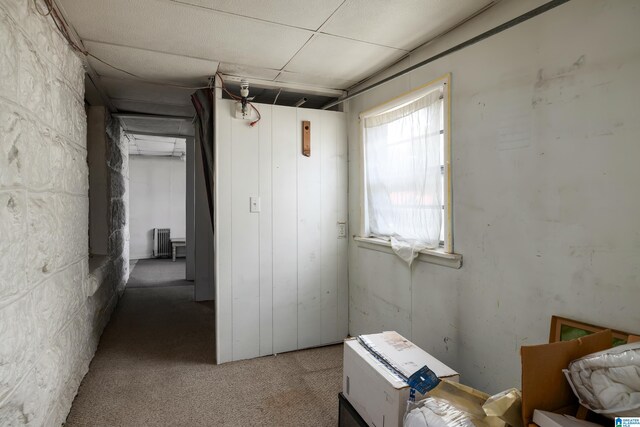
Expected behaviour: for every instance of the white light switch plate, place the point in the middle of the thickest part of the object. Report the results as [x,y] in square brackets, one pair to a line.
[254,204]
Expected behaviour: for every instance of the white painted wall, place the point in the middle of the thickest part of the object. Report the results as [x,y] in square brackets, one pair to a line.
[545,125]
[281,273]
[53,304]
[158,200]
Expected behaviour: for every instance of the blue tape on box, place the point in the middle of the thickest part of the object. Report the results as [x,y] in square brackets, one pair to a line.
[423,380]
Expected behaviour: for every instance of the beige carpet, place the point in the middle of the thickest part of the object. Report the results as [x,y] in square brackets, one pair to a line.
[155,367]
[157,272]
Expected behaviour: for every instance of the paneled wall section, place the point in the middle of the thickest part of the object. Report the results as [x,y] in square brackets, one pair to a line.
[282,273]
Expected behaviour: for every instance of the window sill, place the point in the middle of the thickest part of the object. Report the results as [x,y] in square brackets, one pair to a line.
[97,263]
[432,256]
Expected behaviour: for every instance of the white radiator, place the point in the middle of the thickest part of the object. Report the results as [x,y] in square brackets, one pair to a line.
[161,242]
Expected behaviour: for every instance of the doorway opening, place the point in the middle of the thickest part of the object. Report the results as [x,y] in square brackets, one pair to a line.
[157,210]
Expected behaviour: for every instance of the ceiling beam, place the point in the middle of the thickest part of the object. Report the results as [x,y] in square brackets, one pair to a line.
[287,87]
[151,116]
[165,135]
[156,154]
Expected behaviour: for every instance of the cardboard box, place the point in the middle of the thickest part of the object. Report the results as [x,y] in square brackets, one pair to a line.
[544,386]
[380,396]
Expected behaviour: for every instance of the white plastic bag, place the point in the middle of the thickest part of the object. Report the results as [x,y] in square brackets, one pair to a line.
[608,382]
[451,404]
[435,412]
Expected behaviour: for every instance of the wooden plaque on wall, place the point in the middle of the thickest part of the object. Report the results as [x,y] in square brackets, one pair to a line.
[306,138]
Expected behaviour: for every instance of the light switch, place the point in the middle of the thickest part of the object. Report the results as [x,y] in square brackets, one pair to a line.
[342,230]
[254,204]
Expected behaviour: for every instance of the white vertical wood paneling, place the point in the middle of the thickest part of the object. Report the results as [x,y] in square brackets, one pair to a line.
[342,195]
[245,231]
[266,234]
[224,220]
[329,230]
[285,235]
[309,231]
[282,272]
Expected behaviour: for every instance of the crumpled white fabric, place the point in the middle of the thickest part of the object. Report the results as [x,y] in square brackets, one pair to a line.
[433,412]
[407,250]
[608,382]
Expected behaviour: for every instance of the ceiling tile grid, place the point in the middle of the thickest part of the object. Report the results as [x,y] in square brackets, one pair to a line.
[295,13]
[341,58]
[401,24]
[181,29]
[331,44]
[149,65]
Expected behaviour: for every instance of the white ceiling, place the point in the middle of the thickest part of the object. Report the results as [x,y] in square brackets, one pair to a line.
[330,44]
[145,145]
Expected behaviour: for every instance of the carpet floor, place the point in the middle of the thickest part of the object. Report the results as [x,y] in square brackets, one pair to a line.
[157,273]
[155,367]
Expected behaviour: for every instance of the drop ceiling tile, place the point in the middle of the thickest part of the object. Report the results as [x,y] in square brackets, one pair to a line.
[302,14]
[185,30]
[403,24]
[314,80]
[341,58]
[251,72]
[150,65]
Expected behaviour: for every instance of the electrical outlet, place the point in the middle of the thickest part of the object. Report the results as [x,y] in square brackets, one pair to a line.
[254,204]
[342,230]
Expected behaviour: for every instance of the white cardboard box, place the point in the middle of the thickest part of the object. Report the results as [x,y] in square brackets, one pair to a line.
[378,395]
[550,419]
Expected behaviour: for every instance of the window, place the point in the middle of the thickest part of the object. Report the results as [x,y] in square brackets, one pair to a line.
[406,158]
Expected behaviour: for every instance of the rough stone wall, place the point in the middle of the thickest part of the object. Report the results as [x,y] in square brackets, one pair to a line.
[118,172]
[52,308]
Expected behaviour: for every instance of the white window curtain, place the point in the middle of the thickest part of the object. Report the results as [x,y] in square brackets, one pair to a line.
[403,177]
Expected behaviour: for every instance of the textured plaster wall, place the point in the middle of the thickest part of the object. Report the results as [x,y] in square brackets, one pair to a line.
[98,181]
[52,309]
[118,215]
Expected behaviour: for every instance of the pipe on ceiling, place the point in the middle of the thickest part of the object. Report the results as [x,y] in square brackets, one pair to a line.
[300,102]
[496,30]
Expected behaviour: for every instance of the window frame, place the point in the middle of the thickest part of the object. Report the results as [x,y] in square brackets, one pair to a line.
[445,82]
